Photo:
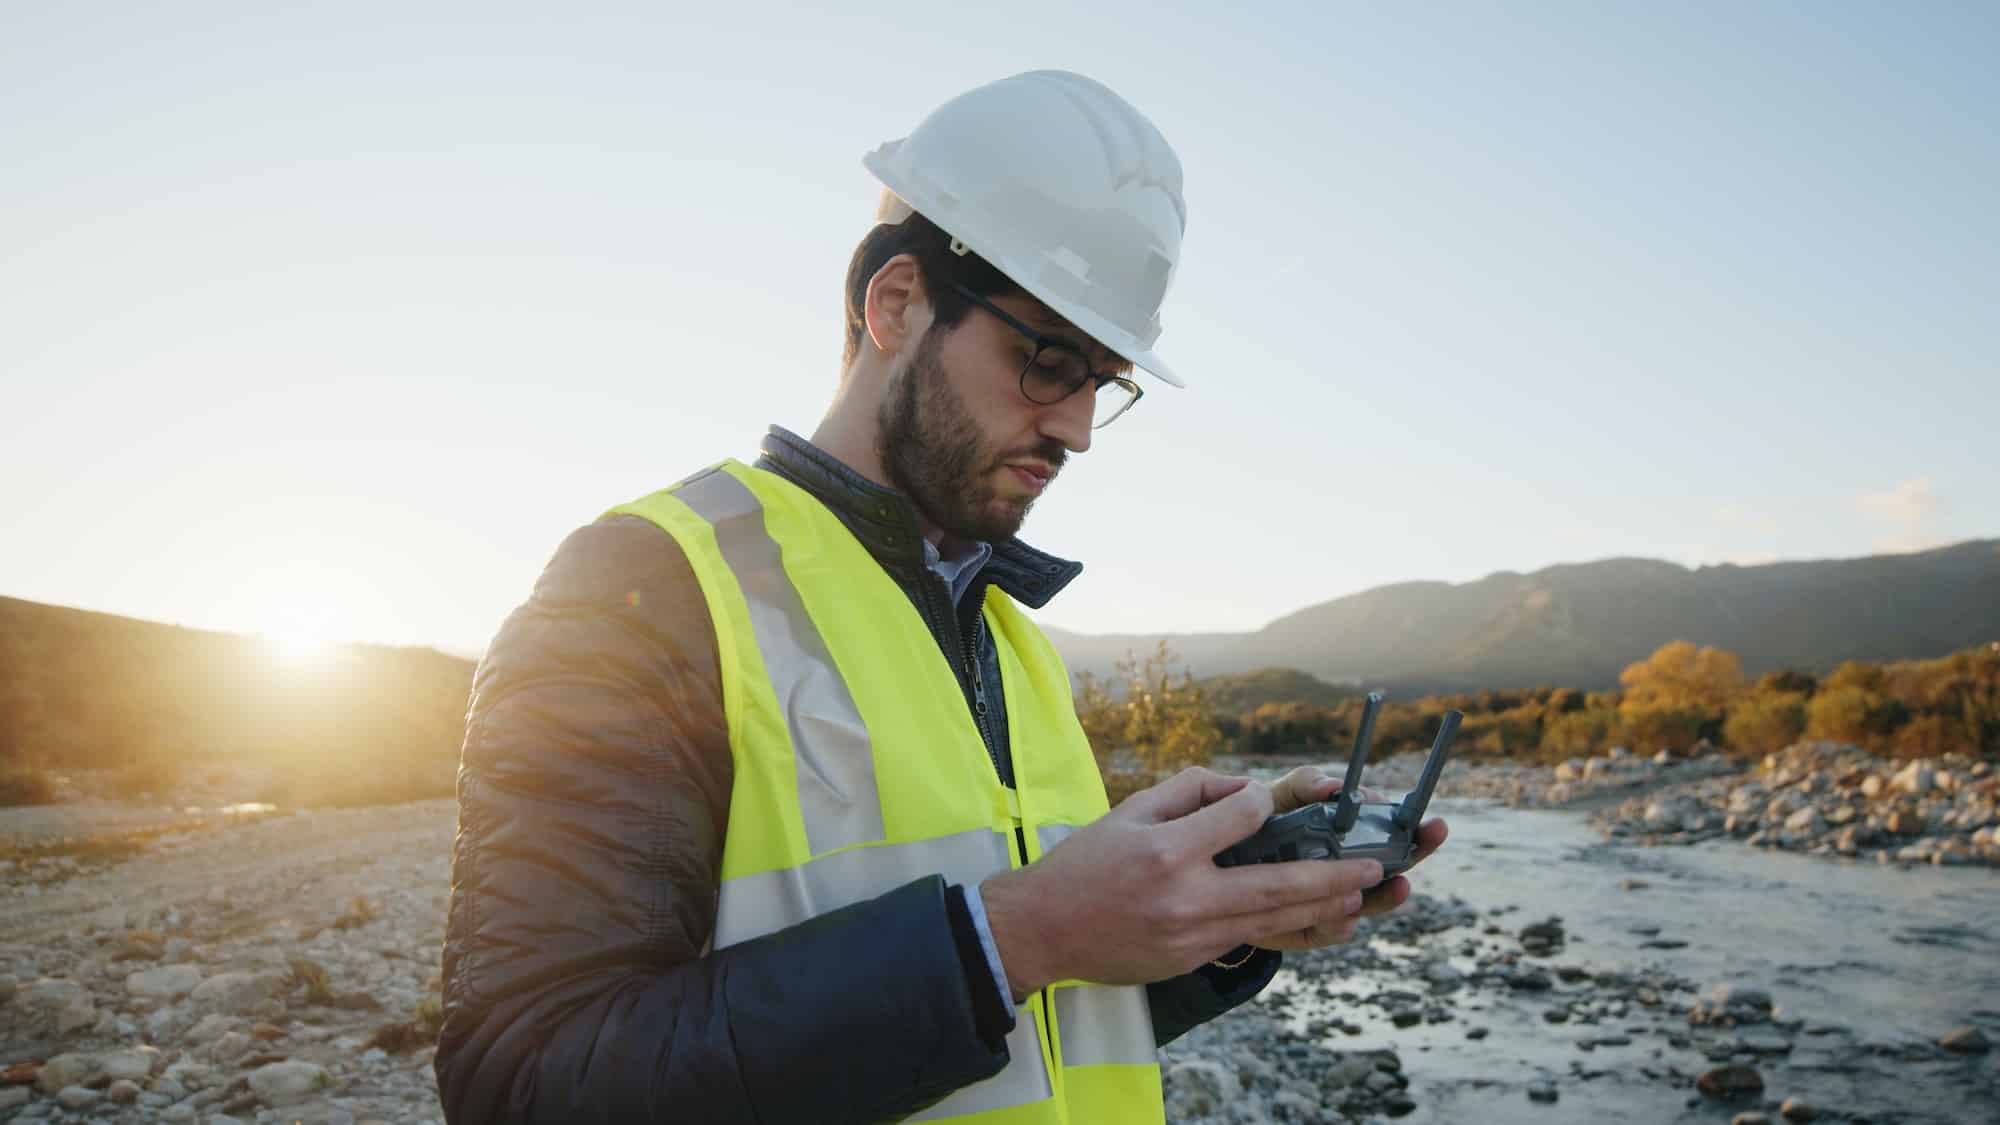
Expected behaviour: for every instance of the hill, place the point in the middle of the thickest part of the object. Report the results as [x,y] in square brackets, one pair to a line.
[1233,695]
[1577,625]
[80,689]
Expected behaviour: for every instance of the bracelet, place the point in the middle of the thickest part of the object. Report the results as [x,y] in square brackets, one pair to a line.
[1239,962]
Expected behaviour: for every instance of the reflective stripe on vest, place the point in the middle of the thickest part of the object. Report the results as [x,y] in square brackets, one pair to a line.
[859,768]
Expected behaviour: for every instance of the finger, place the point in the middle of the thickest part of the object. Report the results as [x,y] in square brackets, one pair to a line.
[1263,887]
[1217,824]
[1387,896]
[1292,926]
[1317,936]
[1187,791]
[1300,788]
[1430,837]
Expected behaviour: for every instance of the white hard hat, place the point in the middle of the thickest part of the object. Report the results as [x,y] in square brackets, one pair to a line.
[1061,185]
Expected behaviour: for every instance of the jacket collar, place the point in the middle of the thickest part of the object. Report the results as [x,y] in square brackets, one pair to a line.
[886,523]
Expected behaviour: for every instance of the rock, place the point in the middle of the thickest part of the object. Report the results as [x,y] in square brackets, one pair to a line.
[166,982]
[192,1075]
[1542,937]
[1199,1087]
[1728,1082]
[51,994]
[9,985]
[124,1091]
[229,1047]
[73,1068]
[209,1028]
[1542,1092]
[135,1063]
[1795,1110]
[1873,785]
[77,1097]
[236,993]
[1741,996]
[284,1083]
[1664,816]
[1348,1071]
[1476,1033]
[1529,980]
[1915,778]
[1965,1041]
[12,1097]
[1750,1119]
[1906,822]
[1806,820]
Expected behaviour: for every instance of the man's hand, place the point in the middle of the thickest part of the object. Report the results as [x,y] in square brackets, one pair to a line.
[1302,787]
[1136,896]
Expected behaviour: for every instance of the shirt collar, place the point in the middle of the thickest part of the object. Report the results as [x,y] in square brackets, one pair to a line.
[885,521]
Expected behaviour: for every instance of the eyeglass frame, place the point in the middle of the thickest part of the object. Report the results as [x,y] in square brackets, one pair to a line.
[1043,342]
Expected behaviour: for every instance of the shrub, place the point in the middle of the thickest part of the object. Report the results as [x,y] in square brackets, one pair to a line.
[155,777]
[1763,723]
[23,785]
[1160,725]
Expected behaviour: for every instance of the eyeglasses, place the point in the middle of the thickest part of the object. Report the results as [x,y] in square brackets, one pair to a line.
[1055,370]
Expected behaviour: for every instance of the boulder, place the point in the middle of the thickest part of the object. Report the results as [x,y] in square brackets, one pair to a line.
[166,982]
[1915,778]
[288,1082]
[1730,1082]
[1965,1041]
[72,1068]
[236,994]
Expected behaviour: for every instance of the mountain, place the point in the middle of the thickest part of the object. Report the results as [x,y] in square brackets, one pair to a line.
[85,689]
[1579,624]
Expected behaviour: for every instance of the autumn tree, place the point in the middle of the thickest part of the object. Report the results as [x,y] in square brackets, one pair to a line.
[1158,725]
[1678,694]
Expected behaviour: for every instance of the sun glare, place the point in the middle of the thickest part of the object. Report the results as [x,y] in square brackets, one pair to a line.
[298,642]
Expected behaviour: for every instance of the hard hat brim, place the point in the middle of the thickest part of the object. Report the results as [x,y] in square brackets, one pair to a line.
[1150,362]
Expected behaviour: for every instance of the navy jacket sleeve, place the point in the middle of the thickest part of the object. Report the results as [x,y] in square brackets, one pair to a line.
[1180,1003]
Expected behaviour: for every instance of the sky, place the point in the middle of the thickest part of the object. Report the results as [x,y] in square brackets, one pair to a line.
[332,320]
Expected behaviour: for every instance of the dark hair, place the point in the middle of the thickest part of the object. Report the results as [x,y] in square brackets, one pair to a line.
[931,246]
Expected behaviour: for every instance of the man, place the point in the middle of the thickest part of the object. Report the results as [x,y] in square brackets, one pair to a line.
[773,804]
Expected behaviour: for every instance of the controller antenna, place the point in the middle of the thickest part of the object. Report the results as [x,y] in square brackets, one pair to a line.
[1416,800]
[1347,808]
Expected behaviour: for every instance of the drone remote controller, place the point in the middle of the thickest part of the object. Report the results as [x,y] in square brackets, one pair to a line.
[1348,827]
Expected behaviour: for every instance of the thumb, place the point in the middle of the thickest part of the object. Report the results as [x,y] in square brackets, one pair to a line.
[1181,794]
[1217,826]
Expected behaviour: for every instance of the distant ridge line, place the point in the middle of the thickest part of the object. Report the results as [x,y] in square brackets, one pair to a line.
[1579,624]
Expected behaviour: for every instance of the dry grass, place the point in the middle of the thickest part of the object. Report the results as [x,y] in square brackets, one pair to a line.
[360,911]
[311,975]
[420,1030]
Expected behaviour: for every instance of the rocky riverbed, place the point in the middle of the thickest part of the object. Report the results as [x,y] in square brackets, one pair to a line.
[282,966]
[276,969]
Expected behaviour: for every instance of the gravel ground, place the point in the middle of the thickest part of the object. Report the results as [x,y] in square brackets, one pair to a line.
[278,967]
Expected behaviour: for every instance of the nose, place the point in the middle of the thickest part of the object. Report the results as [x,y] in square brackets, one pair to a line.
[1068,421]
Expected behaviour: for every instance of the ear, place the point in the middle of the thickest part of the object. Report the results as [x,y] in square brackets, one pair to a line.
[896,308]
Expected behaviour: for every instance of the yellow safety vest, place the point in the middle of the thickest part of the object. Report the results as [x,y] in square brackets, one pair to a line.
[859,768]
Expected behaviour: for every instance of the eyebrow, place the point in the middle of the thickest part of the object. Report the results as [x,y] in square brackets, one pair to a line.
[1060,331]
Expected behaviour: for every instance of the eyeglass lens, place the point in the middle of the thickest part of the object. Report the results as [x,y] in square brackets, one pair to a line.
[1055,373]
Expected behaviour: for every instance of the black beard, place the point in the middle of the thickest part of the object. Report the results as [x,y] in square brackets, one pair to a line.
[931,450]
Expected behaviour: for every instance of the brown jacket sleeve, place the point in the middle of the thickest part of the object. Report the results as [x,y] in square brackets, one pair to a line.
[593,797]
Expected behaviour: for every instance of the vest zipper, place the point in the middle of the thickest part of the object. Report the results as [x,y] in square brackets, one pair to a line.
[964,643]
